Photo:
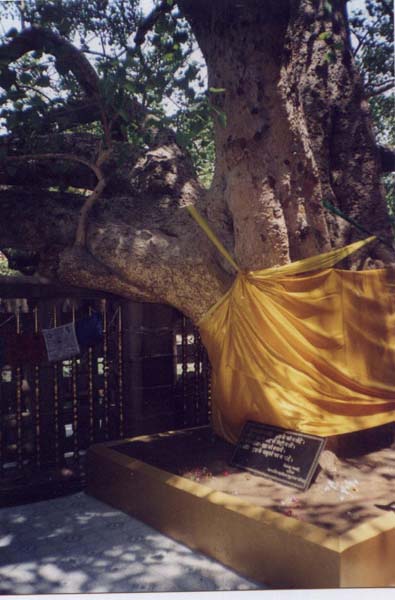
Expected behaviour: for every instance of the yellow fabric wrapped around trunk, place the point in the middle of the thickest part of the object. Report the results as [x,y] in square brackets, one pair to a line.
[304,346]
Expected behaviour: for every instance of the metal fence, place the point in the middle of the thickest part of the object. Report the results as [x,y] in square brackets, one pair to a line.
[149,373]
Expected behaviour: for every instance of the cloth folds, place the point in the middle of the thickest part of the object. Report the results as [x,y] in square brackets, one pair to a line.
[305,347]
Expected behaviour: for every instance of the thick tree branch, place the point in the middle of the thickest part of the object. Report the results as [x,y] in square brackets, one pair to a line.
[49,173]
[37,219]
[46,175]
[84,145]
[67,55]
[57,156]
[80,236]
[85,111]
[144,246]
[69,115]
[149,22]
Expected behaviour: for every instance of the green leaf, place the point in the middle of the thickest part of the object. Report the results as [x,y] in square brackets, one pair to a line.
[325,35]
[330,57]
[328,6]
[217,90]
[130,86]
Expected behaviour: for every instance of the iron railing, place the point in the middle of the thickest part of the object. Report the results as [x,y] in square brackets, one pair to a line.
[149,374]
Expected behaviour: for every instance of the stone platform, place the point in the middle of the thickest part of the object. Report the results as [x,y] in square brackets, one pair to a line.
[338,533]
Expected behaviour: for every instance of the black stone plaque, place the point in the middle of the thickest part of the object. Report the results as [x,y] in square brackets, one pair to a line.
[284,455]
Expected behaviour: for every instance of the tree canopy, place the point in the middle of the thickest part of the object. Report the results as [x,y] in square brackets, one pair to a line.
[154,59]
[144,65]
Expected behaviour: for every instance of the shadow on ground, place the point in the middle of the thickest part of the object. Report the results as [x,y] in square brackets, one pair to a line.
[77,544]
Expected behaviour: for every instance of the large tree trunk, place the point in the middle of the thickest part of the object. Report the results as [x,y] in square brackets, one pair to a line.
[297,131]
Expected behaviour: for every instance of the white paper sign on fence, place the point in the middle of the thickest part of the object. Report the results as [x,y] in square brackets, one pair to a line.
[61,342]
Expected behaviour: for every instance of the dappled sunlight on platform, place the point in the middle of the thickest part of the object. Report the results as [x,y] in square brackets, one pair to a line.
[334,534]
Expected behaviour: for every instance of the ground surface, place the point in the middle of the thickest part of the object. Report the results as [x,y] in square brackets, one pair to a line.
[346,492]
[77,544]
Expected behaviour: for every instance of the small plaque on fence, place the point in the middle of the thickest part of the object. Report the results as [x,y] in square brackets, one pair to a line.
[286,456]
[61,342]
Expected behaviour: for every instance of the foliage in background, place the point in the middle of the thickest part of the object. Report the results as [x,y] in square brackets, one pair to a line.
[164,73]
[373,51]
[161,73]
[373,32]
[4,267]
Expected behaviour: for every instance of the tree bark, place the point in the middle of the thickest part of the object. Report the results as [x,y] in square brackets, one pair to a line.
[297,130]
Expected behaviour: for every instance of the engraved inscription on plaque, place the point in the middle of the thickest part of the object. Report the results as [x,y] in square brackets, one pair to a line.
[287,456]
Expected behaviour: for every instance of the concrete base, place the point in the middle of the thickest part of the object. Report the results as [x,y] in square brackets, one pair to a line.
[261,544]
